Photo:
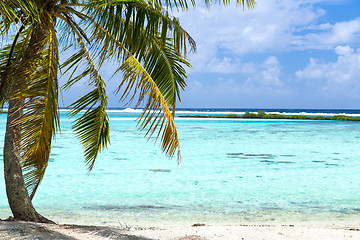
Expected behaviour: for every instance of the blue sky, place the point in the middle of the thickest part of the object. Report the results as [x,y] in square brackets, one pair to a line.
[282,54]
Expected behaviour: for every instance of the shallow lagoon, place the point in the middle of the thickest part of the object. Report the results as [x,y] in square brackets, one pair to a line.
[231,170]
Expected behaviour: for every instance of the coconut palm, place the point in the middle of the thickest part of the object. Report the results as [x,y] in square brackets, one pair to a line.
[144,43]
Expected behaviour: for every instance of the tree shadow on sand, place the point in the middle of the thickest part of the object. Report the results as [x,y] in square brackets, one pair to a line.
[30,231]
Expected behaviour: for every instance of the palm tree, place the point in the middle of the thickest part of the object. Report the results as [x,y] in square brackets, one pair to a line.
[147,46]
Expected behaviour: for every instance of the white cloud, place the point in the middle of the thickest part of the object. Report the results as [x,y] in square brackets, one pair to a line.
[268,26]
[226,65]
[266,78]
[274,25]
[340,77]
[344,50]
[328,35]
[254,79]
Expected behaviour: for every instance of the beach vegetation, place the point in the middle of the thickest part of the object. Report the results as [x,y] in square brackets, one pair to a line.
[318,118]
[345,118]
[263,115]
[147,47]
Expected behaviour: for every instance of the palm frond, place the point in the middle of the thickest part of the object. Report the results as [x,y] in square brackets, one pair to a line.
[40,119]
[157,115]
[92,127]
[140,20]
[19,11]
[165,66]
[10,55]
[7,16]
[158,76]
[249,3]
[152,49]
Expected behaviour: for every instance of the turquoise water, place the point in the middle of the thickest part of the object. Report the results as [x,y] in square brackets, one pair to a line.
[231,170]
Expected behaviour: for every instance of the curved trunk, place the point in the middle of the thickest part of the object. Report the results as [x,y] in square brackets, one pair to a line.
[17,194]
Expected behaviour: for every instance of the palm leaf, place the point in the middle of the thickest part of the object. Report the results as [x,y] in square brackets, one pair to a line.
[10,56]
[40,119]
[156,115]
[92,127]
[7,16]
[158,77]
[127,21]
[110,47]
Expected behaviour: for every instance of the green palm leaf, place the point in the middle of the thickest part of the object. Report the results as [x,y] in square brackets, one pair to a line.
[40,119]
[126,21]
[156,115]
[92,127]
[160,78]
[10,55]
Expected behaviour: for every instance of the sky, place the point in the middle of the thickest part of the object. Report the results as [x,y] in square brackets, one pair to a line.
[281,54]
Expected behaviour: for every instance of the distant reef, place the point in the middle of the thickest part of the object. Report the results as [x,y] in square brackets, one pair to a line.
[263,115]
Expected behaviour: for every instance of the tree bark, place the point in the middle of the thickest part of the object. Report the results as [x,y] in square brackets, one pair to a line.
[17,194]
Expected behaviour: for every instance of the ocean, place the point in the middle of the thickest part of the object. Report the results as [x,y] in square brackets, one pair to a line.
[232,170]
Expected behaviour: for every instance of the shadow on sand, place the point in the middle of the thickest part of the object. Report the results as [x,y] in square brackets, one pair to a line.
[27,230]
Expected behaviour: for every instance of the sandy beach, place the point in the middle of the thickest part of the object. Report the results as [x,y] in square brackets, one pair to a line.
[316,231]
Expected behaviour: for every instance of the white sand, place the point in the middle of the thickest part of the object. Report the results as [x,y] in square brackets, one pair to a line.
[304,231]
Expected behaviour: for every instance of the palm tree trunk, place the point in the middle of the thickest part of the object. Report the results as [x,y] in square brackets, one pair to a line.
[17,194]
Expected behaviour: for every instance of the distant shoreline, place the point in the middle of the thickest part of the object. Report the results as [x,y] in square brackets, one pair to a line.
[263,115]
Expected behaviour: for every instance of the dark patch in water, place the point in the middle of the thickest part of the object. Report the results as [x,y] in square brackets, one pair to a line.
[318,161]
[259,176]
[116,207]
[331,164]
[356,209]
[51,160]
[121,159]
[336,153]
[258,155]
[59,147]
[239,177]
[286,162]
[266,157]
[251,131]
[287,155]
[160,170]
[238,157]
[270,208]
[267,161]
[336,159]
[314,152]
[150,207]
[234,154]
[106,207]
